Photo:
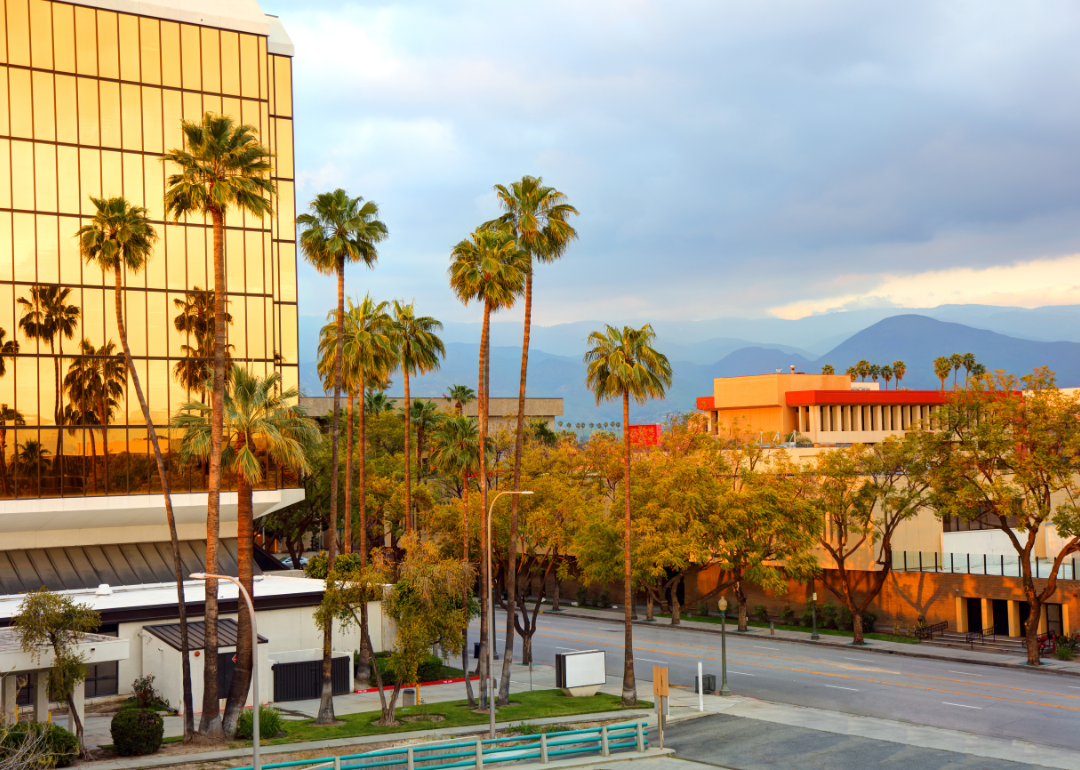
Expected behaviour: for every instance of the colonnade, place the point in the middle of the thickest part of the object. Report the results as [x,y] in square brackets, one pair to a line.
[817,419]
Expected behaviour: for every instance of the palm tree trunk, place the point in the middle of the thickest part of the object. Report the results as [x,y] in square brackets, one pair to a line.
[511,558]
[465,596]
[326,699]
[3,454]
[365,637]
[210,722]
[408,458]
[59,465]
[189,716]
[629,684]
[346,546]
[245,547]
[482,667]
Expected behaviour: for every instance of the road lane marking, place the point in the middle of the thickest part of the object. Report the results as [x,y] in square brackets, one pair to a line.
[575,649]
[740,673]
[837,687]
[965,673]
[650,660]
[756,647]
[962,705]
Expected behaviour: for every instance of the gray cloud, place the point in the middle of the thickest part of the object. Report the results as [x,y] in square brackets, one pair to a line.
[727,157]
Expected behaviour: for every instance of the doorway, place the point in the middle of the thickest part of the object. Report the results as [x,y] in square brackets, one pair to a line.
[1001,617]
[974,614]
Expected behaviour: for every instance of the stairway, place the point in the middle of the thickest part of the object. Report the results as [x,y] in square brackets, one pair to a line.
[1002,644]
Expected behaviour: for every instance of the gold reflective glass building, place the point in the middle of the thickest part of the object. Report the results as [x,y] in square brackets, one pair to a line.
[90,98]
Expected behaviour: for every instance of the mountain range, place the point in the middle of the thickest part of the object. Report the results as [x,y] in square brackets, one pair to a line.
[1013,339]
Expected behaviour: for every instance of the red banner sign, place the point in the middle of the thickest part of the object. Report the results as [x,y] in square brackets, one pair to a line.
[645,435]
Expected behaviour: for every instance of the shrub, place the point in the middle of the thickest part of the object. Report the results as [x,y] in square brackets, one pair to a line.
[316,566]
[1063,653]
[429,670]
[61,747]
[605,599]
[827,615]
[703,609]
[845,621]
[761,613]
[807,617]
[583,596]
[136,732]
[271,724]
[787,616]
[145,693]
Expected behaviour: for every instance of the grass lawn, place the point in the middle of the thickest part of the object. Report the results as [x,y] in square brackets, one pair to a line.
[732,623]
[532,705]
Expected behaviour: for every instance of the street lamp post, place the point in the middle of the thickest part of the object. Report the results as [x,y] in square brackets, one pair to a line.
[813,616]
[491,616]
[723,646]
[255,761]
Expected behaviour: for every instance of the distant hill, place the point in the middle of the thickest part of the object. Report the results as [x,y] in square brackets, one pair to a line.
[917,341]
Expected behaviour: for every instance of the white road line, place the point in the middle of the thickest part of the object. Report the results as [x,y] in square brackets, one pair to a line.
[962,705]
[837,687]
[861,660]
[965,673]
[650,660]
[575,649]
[740,673]
[756,647]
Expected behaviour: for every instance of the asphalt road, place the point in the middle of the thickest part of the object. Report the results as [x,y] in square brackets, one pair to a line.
[985,700]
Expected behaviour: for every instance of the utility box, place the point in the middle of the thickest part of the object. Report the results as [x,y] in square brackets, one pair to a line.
[709,682]
[580,673]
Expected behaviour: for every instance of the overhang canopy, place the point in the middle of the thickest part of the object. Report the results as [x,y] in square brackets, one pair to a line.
[170,634]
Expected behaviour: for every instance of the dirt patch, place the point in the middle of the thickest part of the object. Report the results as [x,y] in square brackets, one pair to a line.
[424,718]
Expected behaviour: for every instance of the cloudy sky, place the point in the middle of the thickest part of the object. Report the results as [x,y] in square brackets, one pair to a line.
[728,158]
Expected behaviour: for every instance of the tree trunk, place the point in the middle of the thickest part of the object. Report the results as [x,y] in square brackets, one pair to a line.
[857,627]
[210,722]
[365,635]
[326,699]
[519,441]
[649,607]
[555,596]
[629,684]
[408,458]
[526,649]
[346,546]
[245,547]
[741,598]
[465,596]
[178,570]
[74,720]
[675,619]
[93,463]
[482,667]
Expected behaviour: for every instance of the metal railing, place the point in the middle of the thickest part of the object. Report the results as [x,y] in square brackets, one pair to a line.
[978,564]
[980,636]
[927,632]
[485,751]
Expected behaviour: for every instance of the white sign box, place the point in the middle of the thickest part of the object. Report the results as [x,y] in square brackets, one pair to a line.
[580,673]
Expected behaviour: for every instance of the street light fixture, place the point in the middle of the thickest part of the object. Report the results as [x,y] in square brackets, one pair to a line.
[491,617]
[722,604]
[255,761]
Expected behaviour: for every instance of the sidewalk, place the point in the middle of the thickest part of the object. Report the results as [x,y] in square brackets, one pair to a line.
[926,651]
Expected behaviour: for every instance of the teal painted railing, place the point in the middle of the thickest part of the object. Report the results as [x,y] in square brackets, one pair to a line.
[486,751]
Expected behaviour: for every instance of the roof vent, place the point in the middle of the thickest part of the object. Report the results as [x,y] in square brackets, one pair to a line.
[103,590]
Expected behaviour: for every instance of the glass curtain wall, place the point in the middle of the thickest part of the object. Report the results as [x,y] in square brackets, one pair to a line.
[89,99]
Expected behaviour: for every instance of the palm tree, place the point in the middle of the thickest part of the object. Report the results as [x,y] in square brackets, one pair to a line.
[623,364]
[257,415]
[32,462]
[462,396]
[887,375]
[489,267]
[862,368]
[377,401]
[47,316]
[196,320]
[537,216]
[942,367]
[83,385]
[425,417]
[850,372]
[456,451]
[224,168]
[419,351]
[899,369]
[875,372]
[828,369]
[955,361]
[8,349]
[979,370]
[120,238]
[968,360]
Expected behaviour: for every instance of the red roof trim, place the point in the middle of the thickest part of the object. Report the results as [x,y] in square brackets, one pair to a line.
[864,397]
[705,403]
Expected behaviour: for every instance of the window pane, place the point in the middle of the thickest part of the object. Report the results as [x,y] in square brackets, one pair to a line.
[44,116]
[287,271]
[172,114]
[212,103]
[48,249]
[154,187]
[157,391]
[67,159]
[263,72]
[22,175]
[3,37]
[151,119]
[129,47]
[135,317]
[149,41]
[46,390]
[131,116]
[108,45]
[112,176]
[234,260]
[25,265]
[70,261]
[192,106]
[170,54]
[5,173]
[283,85]
[45,176]
[133,178]
[41,34]
[5,273]
[230,107]
[284,148]
[110,114]
[172,251]
[230,63]
[18,27]
[22,120]
[286,211]
[211,60]
[5,126]
[238,327]
[26,385]
[249,66]
[89,130]
[67,113]
[256,320]
[190,60]
[253,256]
[115,462]
[85,41]
[89,178]
[64,37]
[196,256]
[288,334]
[93,315]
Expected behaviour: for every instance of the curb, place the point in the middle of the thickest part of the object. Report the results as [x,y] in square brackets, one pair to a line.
[869,649]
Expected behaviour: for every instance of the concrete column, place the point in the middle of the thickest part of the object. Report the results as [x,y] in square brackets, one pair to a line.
[1065,627]
[1042,620]
[710,418]
[837,417]
[41,697]
[814,426]
[1014,619]
[961,615]
[8,694]
[987,614]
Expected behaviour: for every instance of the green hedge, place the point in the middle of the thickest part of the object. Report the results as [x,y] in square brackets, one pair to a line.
[61,745]
[136,732]
[431,670]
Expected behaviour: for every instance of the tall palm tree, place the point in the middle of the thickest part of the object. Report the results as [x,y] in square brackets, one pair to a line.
[257,415]
[875,372]
[419,351]
[899,370]
[196,321]
[456,451]
[623,364]
[850,372]
[537,216]
[337,229]
[862,368]
[462,396]
[942,367]
[425,416]
[8,349]
[956,361]
[32,461]
[48,317]
[488,267]
[121,239]
[224,168]
[83,384]
[969,362]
